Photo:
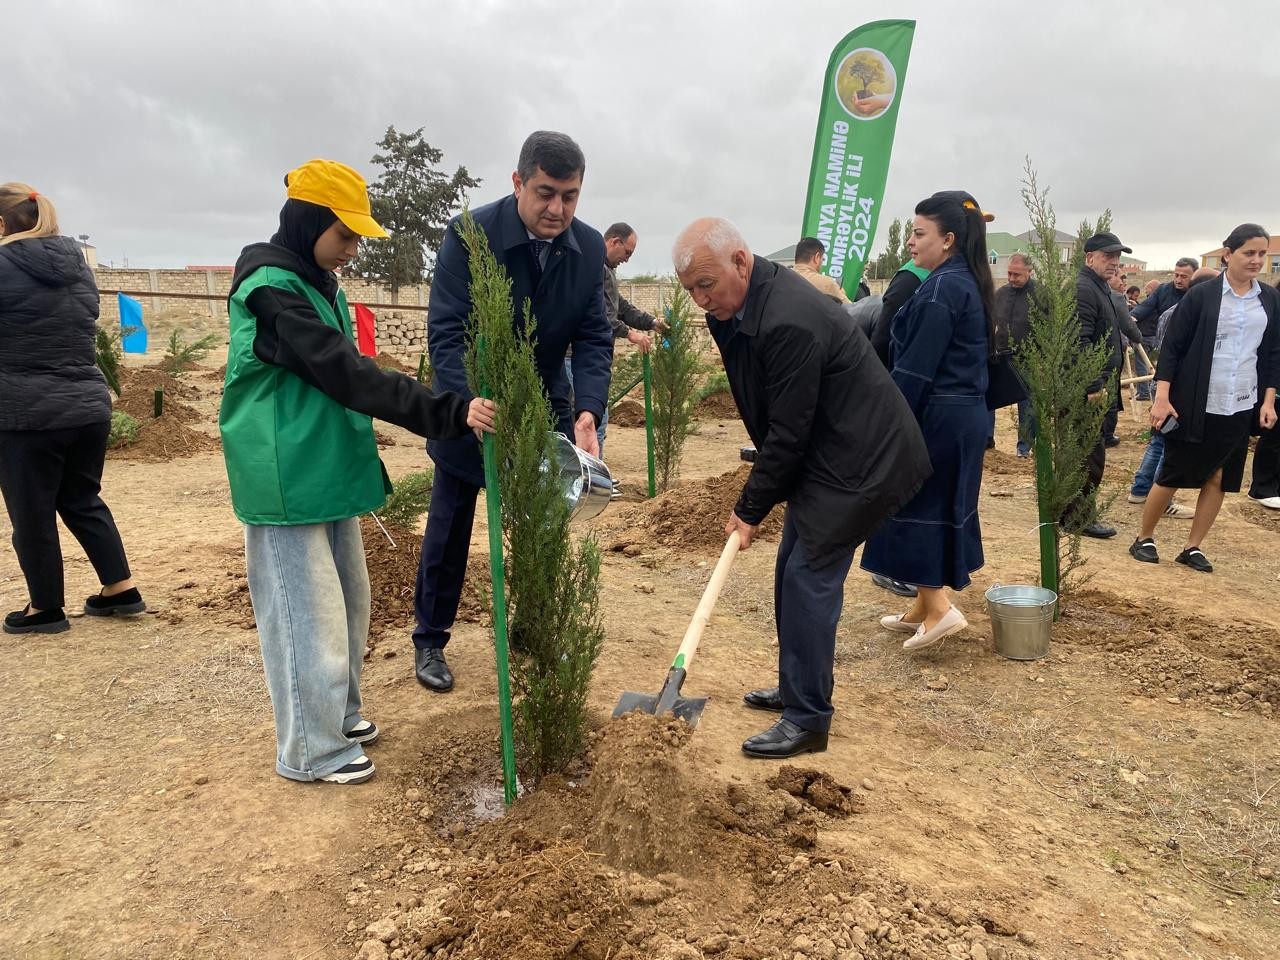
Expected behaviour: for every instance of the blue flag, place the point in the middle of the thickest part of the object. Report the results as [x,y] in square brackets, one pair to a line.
[133,332]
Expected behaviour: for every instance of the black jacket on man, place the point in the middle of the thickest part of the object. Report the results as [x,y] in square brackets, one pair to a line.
[1013,315]
[1100,322]
[1147,313]
[1186,354]
[834,437]
[48,308]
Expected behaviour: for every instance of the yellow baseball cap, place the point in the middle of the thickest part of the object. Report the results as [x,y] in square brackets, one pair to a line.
[338,187]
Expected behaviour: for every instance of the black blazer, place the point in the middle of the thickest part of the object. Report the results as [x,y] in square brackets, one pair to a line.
[835,439]
[1186,355]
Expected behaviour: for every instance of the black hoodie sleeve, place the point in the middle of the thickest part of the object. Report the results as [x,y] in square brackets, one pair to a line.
[290,335]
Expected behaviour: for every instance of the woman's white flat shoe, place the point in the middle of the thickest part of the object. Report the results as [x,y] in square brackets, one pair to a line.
[952,621]
[898,624]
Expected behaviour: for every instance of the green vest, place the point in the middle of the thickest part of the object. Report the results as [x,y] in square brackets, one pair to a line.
[293,454]
[921,273]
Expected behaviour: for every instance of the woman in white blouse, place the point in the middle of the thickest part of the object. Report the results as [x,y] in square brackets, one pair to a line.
[1215,384]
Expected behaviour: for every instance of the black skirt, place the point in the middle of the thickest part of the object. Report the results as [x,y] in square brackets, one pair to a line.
[1188,465]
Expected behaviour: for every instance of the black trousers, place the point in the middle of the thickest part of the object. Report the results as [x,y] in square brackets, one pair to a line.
[442,568]
[45,474]
[1095,464]
[807,601]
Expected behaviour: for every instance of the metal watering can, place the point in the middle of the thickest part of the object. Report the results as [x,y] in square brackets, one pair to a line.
[585,480]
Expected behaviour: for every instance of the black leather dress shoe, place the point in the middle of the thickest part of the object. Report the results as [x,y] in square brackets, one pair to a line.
[893,586]
[767,699]
[432,669]
[1099,531]
[784,739]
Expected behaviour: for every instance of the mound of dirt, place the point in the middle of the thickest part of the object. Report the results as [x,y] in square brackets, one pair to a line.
[389,361]
[627,413]
[137,394]
[1233,665]
[703,869]
[718,406]
[382,440]
[168,436]
[1000,464]
[691,515]
[393,572]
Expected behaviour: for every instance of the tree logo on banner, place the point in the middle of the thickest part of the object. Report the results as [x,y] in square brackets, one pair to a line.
[866,83]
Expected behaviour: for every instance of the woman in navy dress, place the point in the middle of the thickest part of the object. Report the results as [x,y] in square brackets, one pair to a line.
[940,344]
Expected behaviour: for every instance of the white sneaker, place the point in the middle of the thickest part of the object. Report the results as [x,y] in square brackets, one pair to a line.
[363,732]
[1177,511]
[952,621]
[1271,503]
[357,771]
[898,624]
[1134,498]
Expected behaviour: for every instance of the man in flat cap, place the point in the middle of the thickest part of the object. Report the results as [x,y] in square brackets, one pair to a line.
[1101,317]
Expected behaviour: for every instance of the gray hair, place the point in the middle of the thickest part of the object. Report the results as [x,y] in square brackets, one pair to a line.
[717,234]
[1022,258]
[1191,262]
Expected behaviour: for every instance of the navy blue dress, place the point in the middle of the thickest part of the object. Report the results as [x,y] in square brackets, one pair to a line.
[938,354]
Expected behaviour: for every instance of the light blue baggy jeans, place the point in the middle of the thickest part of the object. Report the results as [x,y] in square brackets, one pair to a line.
[310,591]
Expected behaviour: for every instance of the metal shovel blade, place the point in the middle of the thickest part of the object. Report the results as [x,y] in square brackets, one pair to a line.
[688,709]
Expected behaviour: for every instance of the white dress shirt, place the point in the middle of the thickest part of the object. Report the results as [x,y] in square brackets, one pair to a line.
[1233,376]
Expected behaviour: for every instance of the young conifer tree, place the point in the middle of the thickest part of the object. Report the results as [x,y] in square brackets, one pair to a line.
[1058,374]
[675,388]
[552,580]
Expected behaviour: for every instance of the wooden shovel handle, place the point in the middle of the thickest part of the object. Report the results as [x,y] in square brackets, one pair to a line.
[701,616]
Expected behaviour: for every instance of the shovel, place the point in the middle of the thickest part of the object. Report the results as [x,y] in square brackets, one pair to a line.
[668,699]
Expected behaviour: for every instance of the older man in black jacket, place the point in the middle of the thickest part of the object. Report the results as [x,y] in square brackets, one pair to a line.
[1101,320]
[835,441]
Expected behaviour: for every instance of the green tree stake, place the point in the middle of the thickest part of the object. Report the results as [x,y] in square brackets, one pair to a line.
[497,573]
[613,401]
[422,368]
[157,404]
[1048,523]
[648,424]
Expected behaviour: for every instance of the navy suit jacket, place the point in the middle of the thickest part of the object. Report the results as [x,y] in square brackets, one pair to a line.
[568,305]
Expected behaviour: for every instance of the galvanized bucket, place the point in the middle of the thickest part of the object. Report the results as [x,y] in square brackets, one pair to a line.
[585,480]
[1021,619]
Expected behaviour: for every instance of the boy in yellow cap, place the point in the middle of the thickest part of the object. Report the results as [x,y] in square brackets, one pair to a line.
[297,437]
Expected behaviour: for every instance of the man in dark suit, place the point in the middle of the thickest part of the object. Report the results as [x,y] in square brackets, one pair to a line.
[834,440]
[1101,321]
[557,263]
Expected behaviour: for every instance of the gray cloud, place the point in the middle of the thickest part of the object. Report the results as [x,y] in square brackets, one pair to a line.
[164,134]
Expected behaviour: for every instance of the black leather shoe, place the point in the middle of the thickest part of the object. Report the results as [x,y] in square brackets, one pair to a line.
[1099,531]
[432,669]
[1111,441]
[893,586]
[784,739]
[46,621]
[767,699]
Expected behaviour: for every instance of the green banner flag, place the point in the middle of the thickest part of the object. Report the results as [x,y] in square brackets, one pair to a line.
[860,96]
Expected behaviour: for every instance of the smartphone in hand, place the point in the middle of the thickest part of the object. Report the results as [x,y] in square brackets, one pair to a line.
[1170,424]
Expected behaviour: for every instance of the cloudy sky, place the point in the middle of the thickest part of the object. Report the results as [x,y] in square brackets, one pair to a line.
[163,134]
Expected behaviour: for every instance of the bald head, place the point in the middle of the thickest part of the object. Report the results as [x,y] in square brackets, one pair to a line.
[1204,273]
[714,264]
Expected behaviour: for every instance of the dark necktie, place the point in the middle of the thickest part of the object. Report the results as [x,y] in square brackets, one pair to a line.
[536,247]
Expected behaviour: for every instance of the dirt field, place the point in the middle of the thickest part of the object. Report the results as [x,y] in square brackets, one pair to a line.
[1118,799]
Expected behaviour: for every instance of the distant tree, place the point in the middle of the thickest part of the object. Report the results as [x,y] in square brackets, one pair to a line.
[413,200]
[867,69]
[895,253]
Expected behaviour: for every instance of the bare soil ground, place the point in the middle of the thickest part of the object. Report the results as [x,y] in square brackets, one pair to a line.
[1117,799]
